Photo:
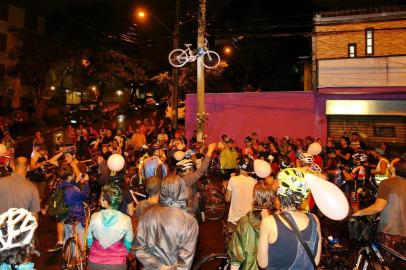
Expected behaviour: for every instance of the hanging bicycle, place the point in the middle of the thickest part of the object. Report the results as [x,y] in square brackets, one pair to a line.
[179,57]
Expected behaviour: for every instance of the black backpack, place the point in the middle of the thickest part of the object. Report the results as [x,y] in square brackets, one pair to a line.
[57,207]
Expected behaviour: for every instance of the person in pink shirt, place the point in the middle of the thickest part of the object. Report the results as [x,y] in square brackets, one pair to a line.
[110,233]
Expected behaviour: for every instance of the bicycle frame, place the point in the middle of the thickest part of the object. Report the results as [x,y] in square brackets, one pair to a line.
[191,57]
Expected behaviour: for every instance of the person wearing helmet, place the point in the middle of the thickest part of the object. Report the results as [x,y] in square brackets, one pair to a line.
[278,246]
[237,189]
[247,149]
[356,179]
[16,239]
[285,162]
[186,170]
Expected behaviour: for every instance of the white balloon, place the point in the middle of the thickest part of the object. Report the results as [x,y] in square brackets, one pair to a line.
[262,168]
[179,155]
[115,162]
[3,150]
[314,149]
[180,146]
[328,197]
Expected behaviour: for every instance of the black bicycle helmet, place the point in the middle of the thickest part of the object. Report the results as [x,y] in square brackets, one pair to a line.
[246,163]
[284,162]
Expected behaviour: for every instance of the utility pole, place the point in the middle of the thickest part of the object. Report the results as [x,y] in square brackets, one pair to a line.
[175,73]
[200,70]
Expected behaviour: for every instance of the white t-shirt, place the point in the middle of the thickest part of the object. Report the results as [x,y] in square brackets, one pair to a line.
[241,188]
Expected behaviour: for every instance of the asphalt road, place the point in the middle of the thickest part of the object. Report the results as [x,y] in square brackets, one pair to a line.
[210,240]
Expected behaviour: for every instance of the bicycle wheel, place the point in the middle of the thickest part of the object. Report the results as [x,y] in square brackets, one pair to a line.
[215,204]
[72,257]
[178,58]
[211,59]
[217,261]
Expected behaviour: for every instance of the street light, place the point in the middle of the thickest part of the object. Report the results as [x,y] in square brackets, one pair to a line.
[227,50]
[143,14]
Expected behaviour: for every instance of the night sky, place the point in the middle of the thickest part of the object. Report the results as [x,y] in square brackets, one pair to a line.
[268,38]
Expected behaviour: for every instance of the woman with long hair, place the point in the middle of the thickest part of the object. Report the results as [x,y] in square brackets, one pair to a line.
[242,249]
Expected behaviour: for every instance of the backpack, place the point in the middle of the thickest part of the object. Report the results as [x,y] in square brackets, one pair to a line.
[57,207]
[153,166]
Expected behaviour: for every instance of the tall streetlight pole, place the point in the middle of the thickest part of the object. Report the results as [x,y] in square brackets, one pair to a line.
[200,71]
[141,14]
[175,74]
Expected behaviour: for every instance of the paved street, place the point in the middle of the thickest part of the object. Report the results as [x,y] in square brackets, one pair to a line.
[210,235]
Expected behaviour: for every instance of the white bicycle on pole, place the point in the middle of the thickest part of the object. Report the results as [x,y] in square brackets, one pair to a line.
[179,57]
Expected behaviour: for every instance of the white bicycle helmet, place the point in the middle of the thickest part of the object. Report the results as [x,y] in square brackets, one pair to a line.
[17,227]
[360,157]
[306,158]
[184,165]
[315,168]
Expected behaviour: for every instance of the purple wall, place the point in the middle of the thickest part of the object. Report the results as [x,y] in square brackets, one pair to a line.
[267,113]
[296,114]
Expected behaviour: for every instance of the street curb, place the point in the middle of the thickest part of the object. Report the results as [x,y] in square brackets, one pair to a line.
[43,133]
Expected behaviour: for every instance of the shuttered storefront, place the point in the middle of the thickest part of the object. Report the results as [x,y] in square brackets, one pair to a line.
[390,129]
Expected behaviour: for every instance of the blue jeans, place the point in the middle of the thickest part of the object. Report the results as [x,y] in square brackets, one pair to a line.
[79,229]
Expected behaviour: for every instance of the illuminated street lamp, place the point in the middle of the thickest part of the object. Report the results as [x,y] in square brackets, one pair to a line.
[94,88]
[143,14]
[52,88]
[227,50]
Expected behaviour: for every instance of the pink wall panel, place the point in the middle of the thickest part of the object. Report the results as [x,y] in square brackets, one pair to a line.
[267,113]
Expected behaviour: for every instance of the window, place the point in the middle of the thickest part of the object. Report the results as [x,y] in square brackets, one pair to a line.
[369,41]
[352,50]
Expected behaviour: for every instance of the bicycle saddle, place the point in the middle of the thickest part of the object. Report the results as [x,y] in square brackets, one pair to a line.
[187,44]
[70,221]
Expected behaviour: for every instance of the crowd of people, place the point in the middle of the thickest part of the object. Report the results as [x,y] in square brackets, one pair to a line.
[271,222]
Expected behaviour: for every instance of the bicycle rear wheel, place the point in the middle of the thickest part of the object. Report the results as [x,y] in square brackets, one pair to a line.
[72,257]
[178,58]
[211,59]
[217,261]
[215,204]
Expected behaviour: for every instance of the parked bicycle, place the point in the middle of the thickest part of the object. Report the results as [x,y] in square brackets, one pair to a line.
[217,261]
[364,252]
[74,251]
[213,199]
[180,57]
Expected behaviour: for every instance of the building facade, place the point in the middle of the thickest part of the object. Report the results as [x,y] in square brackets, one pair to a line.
[12,19]
[359,72]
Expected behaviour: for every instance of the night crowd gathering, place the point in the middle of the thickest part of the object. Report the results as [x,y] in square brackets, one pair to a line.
[134,197]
